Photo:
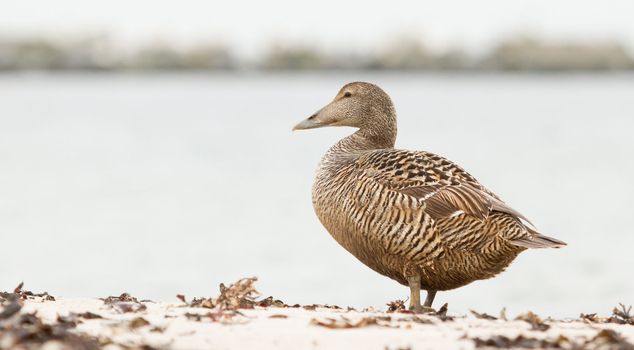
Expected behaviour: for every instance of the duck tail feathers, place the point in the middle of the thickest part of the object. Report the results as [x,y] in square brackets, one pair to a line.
[537,240]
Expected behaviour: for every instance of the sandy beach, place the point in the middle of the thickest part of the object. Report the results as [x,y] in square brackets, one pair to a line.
[238,318]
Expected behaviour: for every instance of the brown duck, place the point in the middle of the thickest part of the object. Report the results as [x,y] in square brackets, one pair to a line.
[413,216]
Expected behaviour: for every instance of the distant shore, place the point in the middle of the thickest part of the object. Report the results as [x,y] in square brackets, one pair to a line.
[519,53]
[236,319]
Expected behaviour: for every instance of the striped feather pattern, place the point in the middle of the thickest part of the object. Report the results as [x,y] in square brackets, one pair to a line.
[409,214]
[404,212]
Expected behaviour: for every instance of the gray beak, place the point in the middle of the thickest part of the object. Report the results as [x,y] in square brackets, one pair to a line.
[311,122]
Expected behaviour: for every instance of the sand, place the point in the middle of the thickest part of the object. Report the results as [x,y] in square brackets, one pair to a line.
[176,325]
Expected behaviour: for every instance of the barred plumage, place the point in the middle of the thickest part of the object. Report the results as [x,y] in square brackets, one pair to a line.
[413,216]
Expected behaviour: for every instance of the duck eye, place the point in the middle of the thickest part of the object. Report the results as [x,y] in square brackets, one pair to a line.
[347,94]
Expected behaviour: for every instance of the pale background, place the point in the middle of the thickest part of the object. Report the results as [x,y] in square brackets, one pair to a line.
[164,183]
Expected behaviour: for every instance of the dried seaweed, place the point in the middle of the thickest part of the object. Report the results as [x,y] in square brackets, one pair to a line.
[207,303]
[442,313]
[239,295]
[590,317]
[605,339]
[396,305]
[523,342]
[138,322]
[8,311]
[278,316]
[270,302]
[181,297]
[609,340]
[28,331]
[22,294]
[417,319]
[503,314]
[124,297]
[621,314]
[345,323]
[313,307]
[222,316]
[89,315]
[483,316]
[124,303]
[535,321]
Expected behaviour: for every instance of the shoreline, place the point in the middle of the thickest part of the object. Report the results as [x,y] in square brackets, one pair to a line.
[236,319]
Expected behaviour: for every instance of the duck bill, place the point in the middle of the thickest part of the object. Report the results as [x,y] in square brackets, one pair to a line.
[307,124]
[311,122]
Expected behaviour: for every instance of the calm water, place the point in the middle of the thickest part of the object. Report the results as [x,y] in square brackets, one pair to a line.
[168,184]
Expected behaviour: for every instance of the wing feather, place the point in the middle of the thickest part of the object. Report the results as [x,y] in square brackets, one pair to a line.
[441,185]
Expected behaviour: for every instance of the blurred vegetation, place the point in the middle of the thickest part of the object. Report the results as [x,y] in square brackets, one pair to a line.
[528,54]
[520,53]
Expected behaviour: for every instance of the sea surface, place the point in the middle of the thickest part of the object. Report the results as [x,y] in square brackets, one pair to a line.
[161,184]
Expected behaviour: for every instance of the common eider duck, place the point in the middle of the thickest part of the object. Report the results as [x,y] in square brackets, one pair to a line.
[413,216]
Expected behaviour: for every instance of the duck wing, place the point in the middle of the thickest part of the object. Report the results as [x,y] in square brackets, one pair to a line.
[443,189]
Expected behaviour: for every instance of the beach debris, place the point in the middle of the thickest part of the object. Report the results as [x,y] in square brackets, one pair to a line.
[124,303]
[69,321]
[12,302]
[537,324]
[590,317]
[11,309]
[278,316]
[503,314]
[609,340]
[345,323]
[605,339]
[28,331]
[72,318]
[22,294]
[88,315]
[442,313]
[222,316]
[522,342]
[207,303]
[313,307]
[621,314]
[482,316]
[270,302]
[181,297]
[396,305]
[224,308]
[138,322]
[239,295]
[417,319]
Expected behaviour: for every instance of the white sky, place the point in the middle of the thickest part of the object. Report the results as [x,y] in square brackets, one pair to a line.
[248,25]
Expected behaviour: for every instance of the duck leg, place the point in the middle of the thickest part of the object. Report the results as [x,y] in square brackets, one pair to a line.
[431,294]
[414,290]
[414,299]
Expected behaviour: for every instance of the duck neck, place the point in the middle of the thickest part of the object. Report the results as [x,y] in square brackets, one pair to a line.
[376,135]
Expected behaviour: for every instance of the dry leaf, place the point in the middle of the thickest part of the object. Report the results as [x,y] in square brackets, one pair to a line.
[344,323]
[483,316]
[536,323]
[138,323]
[396,305]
